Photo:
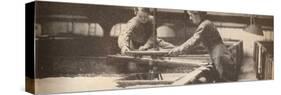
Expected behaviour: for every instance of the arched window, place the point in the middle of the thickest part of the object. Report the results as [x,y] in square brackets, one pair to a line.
[95,29]
[80,28]
[116,29]
[54,28]
[60,28]
[165,31]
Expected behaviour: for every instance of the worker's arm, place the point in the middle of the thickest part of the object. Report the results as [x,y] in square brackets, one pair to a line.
[190,42]
[193,40]
[125,36]
[149,42]
[163,44]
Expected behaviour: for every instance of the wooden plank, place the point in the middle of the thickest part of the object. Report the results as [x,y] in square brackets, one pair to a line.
[147,53]
[190,77]
[170,60]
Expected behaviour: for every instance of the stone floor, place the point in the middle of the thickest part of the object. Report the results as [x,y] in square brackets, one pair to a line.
[75,84]
[68,84]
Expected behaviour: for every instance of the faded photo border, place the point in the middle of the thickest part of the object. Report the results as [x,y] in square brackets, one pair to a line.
[258,54]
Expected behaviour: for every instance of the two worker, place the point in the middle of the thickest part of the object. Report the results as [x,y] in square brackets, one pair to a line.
[138,36]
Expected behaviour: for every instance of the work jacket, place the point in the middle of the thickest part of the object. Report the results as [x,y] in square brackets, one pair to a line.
[221,57]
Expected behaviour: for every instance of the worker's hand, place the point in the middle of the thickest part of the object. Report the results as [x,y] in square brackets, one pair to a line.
[124,49]
[205,68]
[176,51]
[144,47]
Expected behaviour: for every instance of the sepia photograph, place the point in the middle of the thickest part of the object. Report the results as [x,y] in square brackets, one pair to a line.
[91,47]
